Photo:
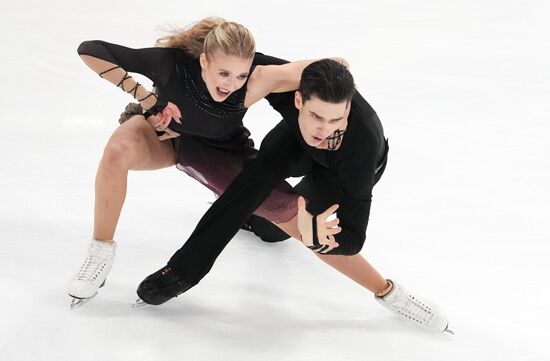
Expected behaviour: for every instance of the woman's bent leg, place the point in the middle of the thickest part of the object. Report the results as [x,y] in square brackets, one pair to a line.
[133,146]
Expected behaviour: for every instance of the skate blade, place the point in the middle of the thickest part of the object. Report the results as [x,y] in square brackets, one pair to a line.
[448,331]
[139,303]
[79,302]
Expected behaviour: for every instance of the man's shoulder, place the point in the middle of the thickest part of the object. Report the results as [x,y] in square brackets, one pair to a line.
[360,107]
[282,101]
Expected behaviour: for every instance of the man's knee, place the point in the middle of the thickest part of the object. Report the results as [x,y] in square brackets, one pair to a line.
[348,248]
[267,231]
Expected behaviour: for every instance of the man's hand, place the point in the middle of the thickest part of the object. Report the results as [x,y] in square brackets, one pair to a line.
[325,229]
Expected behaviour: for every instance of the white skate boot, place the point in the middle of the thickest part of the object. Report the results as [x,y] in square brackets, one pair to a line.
[414,309]
[92,273]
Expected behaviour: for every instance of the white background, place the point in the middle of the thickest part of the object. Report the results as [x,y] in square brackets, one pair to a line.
[459,217]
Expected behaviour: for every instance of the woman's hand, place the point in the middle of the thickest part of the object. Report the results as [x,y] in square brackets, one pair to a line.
[340,60]
[325,229]
[171,111]
[161,120]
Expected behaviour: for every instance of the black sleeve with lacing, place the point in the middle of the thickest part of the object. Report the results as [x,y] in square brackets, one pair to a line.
[156,64]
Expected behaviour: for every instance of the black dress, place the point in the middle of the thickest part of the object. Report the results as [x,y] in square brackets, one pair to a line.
[214,143]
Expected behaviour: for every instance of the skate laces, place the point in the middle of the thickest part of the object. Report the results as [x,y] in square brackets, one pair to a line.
[172,283]
[94,263]
[411,307]
[167,277]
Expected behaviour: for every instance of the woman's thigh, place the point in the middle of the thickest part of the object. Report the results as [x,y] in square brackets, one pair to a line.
[137,142]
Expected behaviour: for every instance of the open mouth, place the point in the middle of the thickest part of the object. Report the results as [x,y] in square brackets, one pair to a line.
[222,92]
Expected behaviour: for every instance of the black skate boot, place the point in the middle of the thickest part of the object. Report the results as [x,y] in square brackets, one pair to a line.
[160,287]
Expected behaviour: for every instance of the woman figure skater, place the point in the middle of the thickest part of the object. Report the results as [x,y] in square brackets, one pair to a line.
[206,77]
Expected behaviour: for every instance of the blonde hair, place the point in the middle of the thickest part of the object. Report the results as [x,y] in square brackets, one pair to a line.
[211,34]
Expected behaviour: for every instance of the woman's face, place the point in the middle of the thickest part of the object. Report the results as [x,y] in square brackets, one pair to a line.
[223,73]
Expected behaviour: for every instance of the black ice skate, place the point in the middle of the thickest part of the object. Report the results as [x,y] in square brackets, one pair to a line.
[159,287]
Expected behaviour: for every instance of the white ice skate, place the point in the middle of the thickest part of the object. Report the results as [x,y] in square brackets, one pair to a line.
[92,273]
[414,309]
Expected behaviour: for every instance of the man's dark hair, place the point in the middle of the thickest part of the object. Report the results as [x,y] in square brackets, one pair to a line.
[328,80]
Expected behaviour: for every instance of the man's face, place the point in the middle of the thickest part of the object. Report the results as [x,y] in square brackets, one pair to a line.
[319,119]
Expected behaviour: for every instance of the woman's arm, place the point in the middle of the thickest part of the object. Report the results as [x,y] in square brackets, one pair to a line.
[267,79]
[113,62]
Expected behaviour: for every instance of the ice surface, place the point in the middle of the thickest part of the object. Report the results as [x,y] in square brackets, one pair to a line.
[459,217]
